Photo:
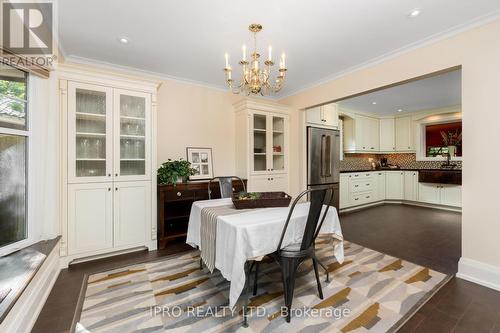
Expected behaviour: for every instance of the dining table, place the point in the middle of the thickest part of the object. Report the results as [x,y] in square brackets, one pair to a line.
[229,238]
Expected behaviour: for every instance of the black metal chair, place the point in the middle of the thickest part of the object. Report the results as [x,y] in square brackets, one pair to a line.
[225,185]
[291,256]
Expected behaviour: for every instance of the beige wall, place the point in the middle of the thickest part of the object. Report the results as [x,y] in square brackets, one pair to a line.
[478,52]
[196,116]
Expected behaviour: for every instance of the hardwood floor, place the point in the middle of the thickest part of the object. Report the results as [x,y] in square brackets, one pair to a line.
[425,236]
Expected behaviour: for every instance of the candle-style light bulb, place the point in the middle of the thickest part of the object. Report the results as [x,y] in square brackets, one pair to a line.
[270,51]
[244,49]
[283,59]
[229,73]
[227,59]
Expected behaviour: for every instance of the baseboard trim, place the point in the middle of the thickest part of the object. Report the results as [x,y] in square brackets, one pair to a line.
[478,272]
[24,313]
[401,202]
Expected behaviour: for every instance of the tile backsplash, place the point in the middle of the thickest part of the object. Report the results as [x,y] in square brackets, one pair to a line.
[404,160]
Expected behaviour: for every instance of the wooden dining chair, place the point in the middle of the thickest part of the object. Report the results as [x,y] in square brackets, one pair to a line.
[291,256]
[225,186]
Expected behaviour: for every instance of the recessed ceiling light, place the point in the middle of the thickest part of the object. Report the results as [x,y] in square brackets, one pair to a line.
[415,12]
[374,103]
[124,40]
[400,110]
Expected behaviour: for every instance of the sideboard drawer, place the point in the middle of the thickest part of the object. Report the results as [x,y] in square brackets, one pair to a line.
[175,195]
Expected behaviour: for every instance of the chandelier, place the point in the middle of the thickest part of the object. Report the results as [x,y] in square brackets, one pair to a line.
[256,79]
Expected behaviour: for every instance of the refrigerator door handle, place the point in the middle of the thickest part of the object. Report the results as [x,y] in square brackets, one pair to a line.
[326,153]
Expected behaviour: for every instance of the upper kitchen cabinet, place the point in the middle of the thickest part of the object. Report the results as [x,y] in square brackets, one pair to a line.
[387,136]
[404,134]
[361,134]
[262,144]
[326,115]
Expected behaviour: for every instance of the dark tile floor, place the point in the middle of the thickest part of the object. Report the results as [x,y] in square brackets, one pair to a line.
[425,236]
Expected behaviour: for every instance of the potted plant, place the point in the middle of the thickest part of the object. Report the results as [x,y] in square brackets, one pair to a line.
[173,172]
[452,139]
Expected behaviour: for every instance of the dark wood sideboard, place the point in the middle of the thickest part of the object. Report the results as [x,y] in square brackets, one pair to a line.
[174,206]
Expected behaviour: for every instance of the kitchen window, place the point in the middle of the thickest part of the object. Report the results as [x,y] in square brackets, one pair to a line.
[14,142]
[443,139]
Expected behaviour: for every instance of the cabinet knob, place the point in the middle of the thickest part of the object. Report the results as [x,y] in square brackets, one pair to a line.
[116,188]
[356,185]
[178,194]
[116,175]
[233,189]
[409,147]
[109,189]
[109,175]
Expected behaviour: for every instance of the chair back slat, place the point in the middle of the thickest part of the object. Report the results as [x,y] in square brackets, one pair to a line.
[314,217]
[225,186]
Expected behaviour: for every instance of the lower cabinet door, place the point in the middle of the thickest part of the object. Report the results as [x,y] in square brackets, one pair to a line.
[132,212]
[380,186]
[430,193]
[394,181]
[451,195]
[90,217]
[345,194]
[268,183]
[411,185]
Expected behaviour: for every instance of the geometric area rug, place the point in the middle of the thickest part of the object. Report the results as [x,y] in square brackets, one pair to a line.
[369,292]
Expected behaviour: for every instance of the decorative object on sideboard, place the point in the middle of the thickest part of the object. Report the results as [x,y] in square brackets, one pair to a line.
[248,200]
[201,161]
[173,172]
[256,80]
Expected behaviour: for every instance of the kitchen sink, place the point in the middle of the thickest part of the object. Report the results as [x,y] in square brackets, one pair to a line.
[440,176]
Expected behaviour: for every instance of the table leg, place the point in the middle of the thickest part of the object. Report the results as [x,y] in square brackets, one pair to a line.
[246,299]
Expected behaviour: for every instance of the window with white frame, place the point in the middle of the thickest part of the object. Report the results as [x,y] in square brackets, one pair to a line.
[14,136]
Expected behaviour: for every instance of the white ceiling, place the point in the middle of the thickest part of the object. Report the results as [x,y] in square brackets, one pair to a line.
[431,93]
[187,39]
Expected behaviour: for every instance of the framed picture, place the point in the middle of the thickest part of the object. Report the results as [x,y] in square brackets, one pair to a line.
[201,162]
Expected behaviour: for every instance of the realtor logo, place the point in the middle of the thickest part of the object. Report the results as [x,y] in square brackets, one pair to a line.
[27,28]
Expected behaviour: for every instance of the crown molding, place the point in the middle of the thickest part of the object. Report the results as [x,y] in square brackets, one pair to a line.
[478,22]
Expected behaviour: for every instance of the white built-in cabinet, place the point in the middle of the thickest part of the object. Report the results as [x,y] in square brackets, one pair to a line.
[387,138]
[109,181]
[262,145]
[324,116]
[394,185]
[411,185]
[362,188]
[440,194]
[404,134]
[362,134]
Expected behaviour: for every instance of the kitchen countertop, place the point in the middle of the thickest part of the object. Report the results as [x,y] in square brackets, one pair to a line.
[401,169]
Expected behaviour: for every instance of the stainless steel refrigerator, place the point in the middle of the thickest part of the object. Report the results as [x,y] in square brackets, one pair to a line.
[323,160]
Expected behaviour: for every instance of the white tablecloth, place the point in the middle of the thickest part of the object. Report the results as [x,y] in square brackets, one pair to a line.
[253,234]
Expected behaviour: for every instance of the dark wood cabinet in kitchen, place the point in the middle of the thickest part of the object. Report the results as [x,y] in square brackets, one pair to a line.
[174,206]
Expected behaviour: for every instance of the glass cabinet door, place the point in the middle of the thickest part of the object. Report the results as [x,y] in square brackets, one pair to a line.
[278,148]
[89,132]
[132,132]
[260,143]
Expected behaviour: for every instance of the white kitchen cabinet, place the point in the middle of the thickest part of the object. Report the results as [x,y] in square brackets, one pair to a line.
[268,183]
[108,135]
[411,185]
[451,195]
[132,208]
[387,135]
[404,134]
[344,191]
[394,185]
[429,193]
[132,135]
[262,145]
[325,115]
[361,134]
[380,182]
[440,194]
[90,132]
[90,217]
